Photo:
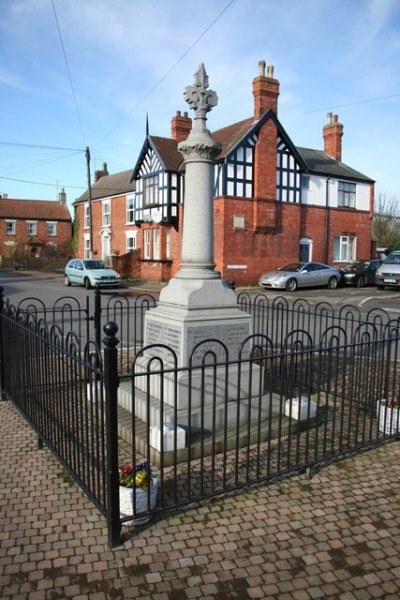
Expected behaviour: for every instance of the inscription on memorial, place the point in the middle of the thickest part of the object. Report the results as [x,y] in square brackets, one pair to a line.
[161,333]
[232,335]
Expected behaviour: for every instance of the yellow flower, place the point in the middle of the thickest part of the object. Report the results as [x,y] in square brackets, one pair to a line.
[140,479]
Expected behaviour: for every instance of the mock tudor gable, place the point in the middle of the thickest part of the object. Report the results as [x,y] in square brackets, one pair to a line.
[274,201]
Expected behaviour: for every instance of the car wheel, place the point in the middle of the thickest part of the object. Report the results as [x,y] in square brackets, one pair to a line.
[332,283]
[291,285]
[87,283]
[361,281]
[380,287]
[67,281]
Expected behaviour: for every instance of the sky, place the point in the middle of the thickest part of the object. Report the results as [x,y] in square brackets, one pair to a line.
[88,73]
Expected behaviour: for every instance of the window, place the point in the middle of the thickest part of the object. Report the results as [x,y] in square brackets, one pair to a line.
[147,238]
[106,212]
[156,244]
[305,182]
[10,227]
[86,249]
[347,194]
[130,241]
[86,222]
[130,210]
[344,247]
[51,228]
[31,227]
[150,189]
[168,249]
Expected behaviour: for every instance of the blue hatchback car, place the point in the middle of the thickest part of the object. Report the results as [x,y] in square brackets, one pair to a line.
[90,273]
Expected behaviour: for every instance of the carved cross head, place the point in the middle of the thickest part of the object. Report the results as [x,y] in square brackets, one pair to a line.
[198,96]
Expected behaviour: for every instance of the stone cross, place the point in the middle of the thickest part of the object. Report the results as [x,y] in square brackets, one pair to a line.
[198,96]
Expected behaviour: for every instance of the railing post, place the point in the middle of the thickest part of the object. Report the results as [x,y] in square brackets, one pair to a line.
[111,388]
[97,316]
[1,344]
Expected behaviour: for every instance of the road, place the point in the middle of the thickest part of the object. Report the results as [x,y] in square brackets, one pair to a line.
[50,287]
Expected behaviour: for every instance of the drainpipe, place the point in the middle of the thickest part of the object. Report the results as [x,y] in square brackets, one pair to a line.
[326,240]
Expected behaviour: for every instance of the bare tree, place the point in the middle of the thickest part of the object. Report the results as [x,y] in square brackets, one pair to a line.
[386,222]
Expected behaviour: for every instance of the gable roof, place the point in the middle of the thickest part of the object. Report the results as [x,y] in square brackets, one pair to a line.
[48,210]
[109,185]
[166,150]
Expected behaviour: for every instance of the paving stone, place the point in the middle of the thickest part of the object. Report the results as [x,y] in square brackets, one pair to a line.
[334,536]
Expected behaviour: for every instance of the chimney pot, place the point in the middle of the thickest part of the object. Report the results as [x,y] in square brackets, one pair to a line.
[270,71]
[261,68]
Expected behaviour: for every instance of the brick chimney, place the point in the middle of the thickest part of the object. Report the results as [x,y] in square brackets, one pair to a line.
[332,134]
[62,197]
[180,126]
[101,173]
[265,91]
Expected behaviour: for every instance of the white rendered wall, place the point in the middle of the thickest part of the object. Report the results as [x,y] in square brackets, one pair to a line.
[316,194]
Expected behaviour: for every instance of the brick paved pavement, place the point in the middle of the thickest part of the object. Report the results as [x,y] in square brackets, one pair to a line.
[334,536]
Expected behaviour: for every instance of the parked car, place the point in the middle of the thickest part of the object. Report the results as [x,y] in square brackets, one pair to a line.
[388,274]
[360,273]
[301,274]
[90,273]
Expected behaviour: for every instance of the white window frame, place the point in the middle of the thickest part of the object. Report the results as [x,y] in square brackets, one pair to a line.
[130,210]
[86,246]
[86,218]
[156,244]
[344,248]
[52,228]
[168,245]
[147,244]
[31,227]
[106,212]
[131,241]
[12,223]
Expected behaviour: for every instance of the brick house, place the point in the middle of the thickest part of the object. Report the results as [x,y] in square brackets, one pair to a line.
[274,202]
[34,228]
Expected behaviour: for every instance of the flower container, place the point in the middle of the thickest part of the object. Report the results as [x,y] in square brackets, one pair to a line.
[300,408]
[388,417]
[126,505]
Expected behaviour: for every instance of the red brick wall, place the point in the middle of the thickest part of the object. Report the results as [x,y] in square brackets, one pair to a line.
[64,234]
[262,250]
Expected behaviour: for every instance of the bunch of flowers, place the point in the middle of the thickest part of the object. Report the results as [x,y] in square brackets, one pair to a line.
[140,476]
[393,401]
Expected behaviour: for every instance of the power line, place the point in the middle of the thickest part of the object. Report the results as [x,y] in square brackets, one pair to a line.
[169,71]
[68,72]
[76,187]
[17,144]
[305,112]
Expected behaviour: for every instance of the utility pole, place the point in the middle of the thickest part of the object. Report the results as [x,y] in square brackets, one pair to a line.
[90,201]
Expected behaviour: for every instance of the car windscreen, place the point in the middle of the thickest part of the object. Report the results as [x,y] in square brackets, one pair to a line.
[392,259]
[292,267]
[94,264]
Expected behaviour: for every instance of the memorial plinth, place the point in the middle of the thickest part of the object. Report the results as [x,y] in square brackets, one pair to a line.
[197,316]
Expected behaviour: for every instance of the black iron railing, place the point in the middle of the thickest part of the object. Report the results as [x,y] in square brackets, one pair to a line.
[300,395]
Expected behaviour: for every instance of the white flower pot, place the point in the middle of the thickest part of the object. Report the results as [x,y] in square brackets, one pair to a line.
[388,418]
[126,502]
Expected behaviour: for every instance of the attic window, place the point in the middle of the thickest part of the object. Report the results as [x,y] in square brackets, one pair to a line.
[238,222]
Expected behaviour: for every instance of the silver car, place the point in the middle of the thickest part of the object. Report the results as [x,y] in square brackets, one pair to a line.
[301,274]
[90,273]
